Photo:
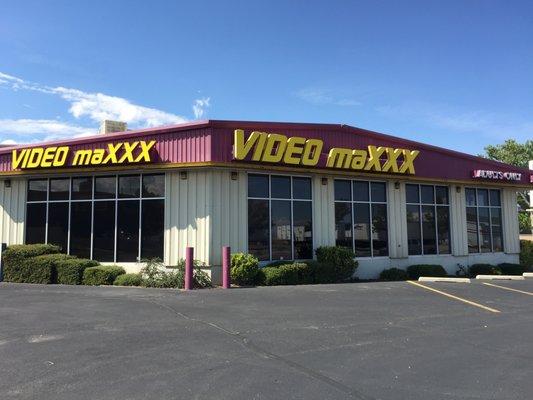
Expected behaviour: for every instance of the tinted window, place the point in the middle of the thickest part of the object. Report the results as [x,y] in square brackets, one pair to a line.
[128,231]
[104,231]
[426,194]
[152,229]
[495,198]
[82,188]
[37,190]
[413,230]
[411,192]
[258,229]
[257,185]
[471,229]
[105,187]
[129,186]
[470,195]
[35,223]
[303,230]
[154,185]
[360,191]
[379,192]
[281,230]
[443,229]
[429,234]
[280,187]
[484,229]
[343,190]
[361,227]
[482,197]
[343,225]
[497,234]
[380,234]
[59,189]
[80,229]
[441,193]
[301,188]
[58,225]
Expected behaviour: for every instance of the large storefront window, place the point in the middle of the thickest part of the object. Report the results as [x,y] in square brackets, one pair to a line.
[484,220]
[106,218]
[280,225]
[361,217]
[428,219]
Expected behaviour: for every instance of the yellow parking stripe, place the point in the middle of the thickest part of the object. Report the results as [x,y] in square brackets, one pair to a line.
[455,297]
[508,288]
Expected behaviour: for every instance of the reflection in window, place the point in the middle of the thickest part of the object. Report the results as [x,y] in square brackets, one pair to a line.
[279,217]
[428,219]
[361,217]
[58,224]
[484,220]
[63,211]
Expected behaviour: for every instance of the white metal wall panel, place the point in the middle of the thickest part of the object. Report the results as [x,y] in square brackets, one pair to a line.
[511,235]
[12,211]
[323,212]
[458,228]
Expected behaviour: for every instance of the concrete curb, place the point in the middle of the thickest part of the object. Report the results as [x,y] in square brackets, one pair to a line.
[527,274]
[439,279]
[501,277]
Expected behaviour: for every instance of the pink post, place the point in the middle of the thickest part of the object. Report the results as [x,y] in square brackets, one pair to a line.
[226,261]
[189,255]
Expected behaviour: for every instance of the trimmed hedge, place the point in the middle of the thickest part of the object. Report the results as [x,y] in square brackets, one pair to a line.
[483,269]
[128,280]
[102,275]
[288,274]
[245,269]
[512,269]
[15,255]
[70,271]
[39,269]
[526,254]
[393,274]
[338,264]
[416,271]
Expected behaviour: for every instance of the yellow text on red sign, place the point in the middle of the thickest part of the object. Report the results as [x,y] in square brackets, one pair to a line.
[295,150]
[114,153]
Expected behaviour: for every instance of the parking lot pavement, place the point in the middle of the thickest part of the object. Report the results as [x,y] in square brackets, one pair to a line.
[350,341]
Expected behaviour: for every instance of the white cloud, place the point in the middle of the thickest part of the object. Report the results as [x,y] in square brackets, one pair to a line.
[323,97]
[95,106]
[199,107]
[43,129]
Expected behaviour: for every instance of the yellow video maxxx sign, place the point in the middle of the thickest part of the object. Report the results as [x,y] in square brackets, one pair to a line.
[277,148]
[60,156]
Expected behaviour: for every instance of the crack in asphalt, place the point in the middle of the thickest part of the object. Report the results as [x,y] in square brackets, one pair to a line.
[249,345]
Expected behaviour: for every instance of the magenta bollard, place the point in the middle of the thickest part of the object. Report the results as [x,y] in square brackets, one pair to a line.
[189,255]
[226,261]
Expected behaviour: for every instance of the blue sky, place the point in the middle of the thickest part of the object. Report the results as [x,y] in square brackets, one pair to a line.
[456,74]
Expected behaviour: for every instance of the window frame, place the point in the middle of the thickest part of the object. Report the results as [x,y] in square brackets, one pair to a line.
[291,199]
[352,202]
[116,199]
[490,207]
[435,206]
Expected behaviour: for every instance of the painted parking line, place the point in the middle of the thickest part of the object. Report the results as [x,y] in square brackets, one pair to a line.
[508,288]
[451,296]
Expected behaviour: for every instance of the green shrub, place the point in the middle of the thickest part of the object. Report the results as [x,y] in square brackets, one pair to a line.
[335,264]
[483,269]
[102,275]
[155,274]
[393,274]
[14,256]
[278,263]
[288,274]
[512,269]
[526,254]
[416,271]
[70,271]
[128,280]
[39,269]
[244,269]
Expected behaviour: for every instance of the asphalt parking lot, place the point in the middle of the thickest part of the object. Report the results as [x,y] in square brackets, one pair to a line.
[349,341]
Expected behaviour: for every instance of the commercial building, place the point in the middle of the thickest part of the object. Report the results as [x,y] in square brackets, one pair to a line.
[276,190]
